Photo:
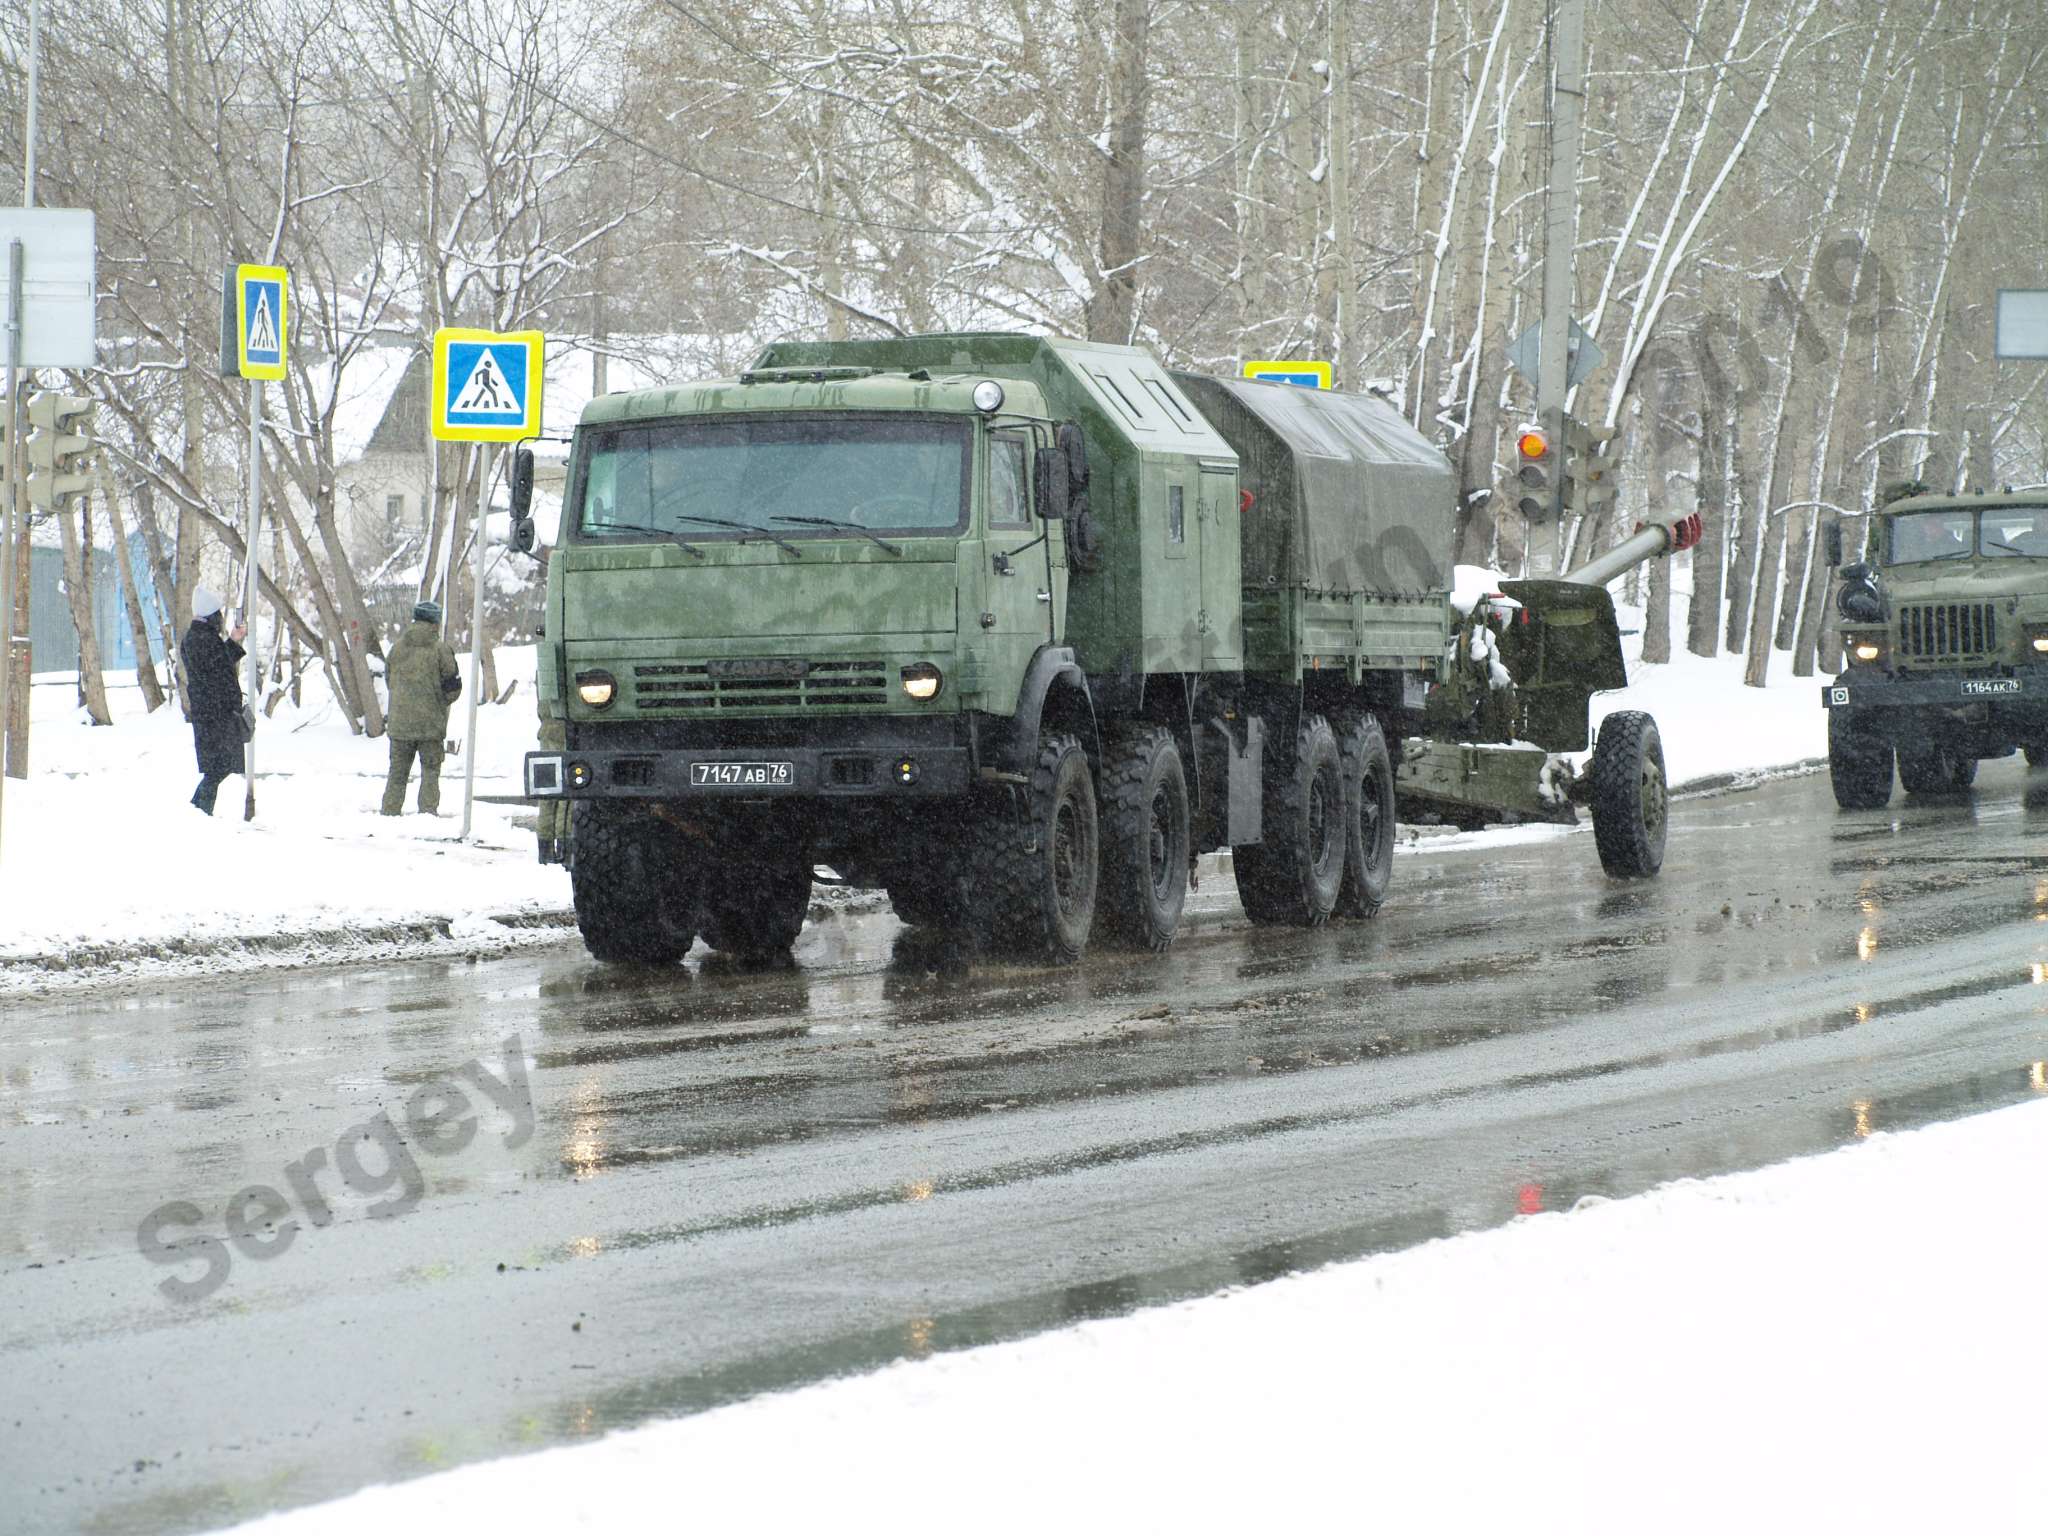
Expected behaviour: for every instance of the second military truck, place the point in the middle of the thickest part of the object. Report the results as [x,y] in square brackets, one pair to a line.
[1945,642]
[1014,628]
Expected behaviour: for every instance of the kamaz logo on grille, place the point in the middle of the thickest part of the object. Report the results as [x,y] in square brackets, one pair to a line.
[781,669]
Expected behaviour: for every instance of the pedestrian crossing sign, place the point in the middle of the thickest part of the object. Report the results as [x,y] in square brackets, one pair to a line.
[260,294]
[486,385]
[1309,375]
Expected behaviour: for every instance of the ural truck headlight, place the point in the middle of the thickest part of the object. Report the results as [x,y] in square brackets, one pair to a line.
[922,681]
[988,396]
[1867,650]
[1864,645]
[596,688]
[2037,636]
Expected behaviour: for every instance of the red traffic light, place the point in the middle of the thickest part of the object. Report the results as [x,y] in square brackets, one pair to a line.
[1533,444]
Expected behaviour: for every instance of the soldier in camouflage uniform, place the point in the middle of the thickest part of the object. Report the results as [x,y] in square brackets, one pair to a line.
[551,826]
[424,682]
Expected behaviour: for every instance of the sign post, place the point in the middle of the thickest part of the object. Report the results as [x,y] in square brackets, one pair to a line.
[50,285]
[253,314]
[486,389]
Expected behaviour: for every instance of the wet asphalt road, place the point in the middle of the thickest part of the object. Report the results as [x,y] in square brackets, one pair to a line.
[738,1181]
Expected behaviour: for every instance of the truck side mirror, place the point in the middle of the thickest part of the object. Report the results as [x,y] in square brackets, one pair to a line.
[524,535]
[1075,447]
[522,482]
[1050,488]
[1831,542]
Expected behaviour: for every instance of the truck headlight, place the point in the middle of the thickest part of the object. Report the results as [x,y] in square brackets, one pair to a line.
[2040,639]
[922,681]
[1866,650]
[988,396]
[597,688]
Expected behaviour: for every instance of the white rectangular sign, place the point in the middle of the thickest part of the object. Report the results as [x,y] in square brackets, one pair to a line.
[57,288]
[2022,322]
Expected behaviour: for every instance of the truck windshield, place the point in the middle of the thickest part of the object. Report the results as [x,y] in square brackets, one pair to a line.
[1955,532]
[887,474]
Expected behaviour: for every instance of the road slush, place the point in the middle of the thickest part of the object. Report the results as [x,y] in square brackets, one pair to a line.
[254,1220]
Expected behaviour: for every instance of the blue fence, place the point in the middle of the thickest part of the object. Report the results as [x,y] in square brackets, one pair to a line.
[50,627]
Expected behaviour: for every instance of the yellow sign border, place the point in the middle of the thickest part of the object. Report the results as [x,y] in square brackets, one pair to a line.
[437,410]
[246,274]
[1268,367]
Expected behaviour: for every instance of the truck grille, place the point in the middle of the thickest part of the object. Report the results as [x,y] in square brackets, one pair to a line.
[693,687]
[1947,631]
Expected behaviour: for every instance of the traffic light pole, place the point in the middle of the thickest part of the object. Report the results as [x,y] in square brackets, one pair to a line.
[13,476]
[251,586]
[1560,235]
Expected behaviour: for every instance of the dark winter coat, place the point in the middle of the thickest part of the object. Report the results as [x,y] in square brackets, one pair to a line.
[216,698]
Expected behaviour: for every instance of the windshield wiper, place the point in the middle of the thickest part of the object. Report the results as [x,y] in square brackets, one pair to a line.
[666,533]
[748,529]
[840,522]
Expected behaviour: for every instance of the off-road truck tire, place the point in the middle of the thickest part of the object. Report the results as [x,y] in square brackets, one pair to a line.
[1930,768]
[754,905]
[1145,836]
[1859,765]
[1293,876]
[632,896]
[1036,859]
[1630,799]
[1369,819]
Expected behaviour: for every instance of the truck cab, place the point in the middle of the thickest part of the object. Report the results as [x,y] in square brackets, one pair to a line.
[1945,640]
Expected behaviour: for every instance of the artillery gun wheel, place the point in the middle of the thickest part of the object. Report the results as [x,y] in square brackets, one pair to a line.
[1859,765]
[1932,768]
[1629,795]
[632,900]
[759,903]
[1036,867]
[1368,820]
[1294,875]
[1144,837]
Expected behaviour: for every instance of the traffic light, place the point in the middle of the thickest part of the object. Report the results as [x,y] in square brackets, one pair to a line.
[1538,495]
[1589,465]
[59,448]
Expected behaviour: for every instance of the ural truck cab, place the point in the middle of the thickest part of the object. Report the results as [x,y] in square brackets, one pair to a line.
[1945,641]
[1014,628]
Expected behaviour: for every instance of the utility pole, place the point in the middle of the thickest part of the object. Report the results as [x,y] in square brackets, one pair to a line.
[14,594]
[1567,25]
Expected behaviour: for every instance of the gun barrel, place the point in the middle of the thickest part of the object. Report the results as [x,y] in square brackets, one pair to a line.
[1648,542]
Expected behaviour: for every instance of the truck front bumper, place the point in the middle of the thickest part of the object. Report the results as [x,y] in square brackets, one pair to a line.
[1877,690]
[874,761]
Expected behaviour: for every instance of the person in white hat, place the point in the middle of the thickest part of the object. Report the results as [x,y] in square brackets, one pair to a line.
[214,696]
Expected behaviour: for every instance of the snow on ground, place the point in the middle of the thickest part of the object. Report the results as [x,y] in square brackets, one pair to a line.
[1841,1342]
[104,864]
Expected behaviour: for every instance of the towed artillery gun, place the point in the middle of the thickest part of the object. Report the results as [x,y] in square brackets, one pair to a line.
[1015,628]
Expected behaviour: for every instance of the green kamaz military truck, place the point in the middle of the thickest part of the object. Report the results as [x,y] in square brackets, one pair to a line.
[1945,646]
[1015,628]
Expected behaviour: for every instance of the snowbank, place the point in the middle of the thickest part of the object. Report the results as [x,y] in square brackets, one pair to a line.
[1837,1342]
[105,867]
